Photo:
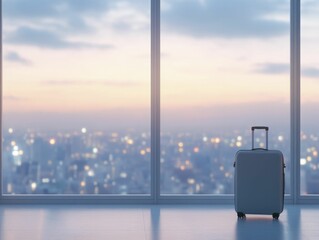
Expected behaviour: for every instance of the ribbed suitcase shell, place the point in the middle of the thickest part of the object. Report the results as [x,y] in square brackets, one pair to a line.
[259,181]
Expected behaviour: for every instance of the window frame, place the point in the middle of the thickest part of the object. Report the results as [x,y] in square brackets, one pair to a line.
[155,197]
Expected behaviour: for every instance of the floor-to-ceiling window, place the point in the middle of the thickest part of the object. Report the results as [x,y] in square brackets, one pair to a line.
[76,97]
[309,138]
[224,68]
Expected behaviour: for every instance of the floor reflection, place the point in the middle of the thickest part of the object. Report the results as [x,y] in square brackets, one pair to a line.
[155,222]
[293,226]
[259,228]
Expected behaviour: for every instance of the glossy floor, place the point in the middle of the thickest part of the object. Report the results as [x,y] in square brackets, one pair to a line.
[164,222]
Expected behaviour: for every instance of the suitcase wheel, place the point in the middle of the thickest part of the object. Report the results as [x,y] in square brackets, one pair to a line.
[241,215]
[275,216]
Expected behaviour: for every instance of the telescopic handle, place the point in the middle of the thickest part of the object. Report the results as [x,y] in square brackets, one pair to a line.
[259,127]
[253,137]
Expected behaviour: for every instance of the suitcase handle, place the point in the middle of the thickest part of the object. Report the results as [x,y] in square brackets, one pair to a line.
[259,127]
[253,136]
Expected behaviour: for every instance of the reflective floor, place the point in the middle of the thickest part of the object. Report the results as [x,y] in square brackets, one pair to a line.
[167,222]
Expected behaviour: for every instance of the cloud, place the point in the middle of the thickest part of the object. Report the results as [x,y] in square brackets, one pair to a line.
[51,24]
[32,9]
[310,72]
[92,82]
[46,39]
[72,16]
[12,98]
[17,9]
[284,68]
[63,17]
[15,57]
[273,68]
[225,19]
[310,8]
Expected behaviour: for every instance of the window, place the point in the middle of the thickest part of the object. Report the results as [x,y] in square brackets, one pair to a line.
[309,173]
[225,68]
[83,113]
[76,98]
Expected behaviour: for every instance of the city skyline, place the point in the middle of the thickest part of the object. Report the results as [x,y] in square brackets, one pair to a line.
[97,162]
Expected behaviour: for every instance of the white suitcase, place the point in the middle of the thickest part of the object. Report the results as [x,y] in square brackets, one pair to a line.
[259,180]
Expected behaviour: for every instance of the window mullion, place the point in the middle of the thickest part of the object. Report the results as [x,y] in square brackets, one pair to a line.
[155,99]
[295,97]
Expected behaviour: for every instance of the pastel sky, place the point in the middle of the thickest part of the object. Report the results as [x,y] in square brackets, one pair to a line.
[72,58]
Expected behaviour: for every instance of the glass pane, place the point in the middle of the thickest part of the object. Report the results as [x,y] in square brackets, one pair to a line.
[225,68]
[309,162]
[76,97]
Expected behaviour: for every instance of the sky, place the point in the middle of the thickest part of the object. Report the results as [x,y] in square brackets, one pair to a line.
[72,63]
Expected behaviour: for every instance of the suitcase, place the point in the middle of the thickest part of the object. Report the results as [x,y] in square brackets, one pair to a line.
[259,180]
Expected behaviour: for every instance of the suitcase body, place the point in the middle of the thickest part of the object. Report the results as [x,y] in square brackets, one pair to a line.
[259,181]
